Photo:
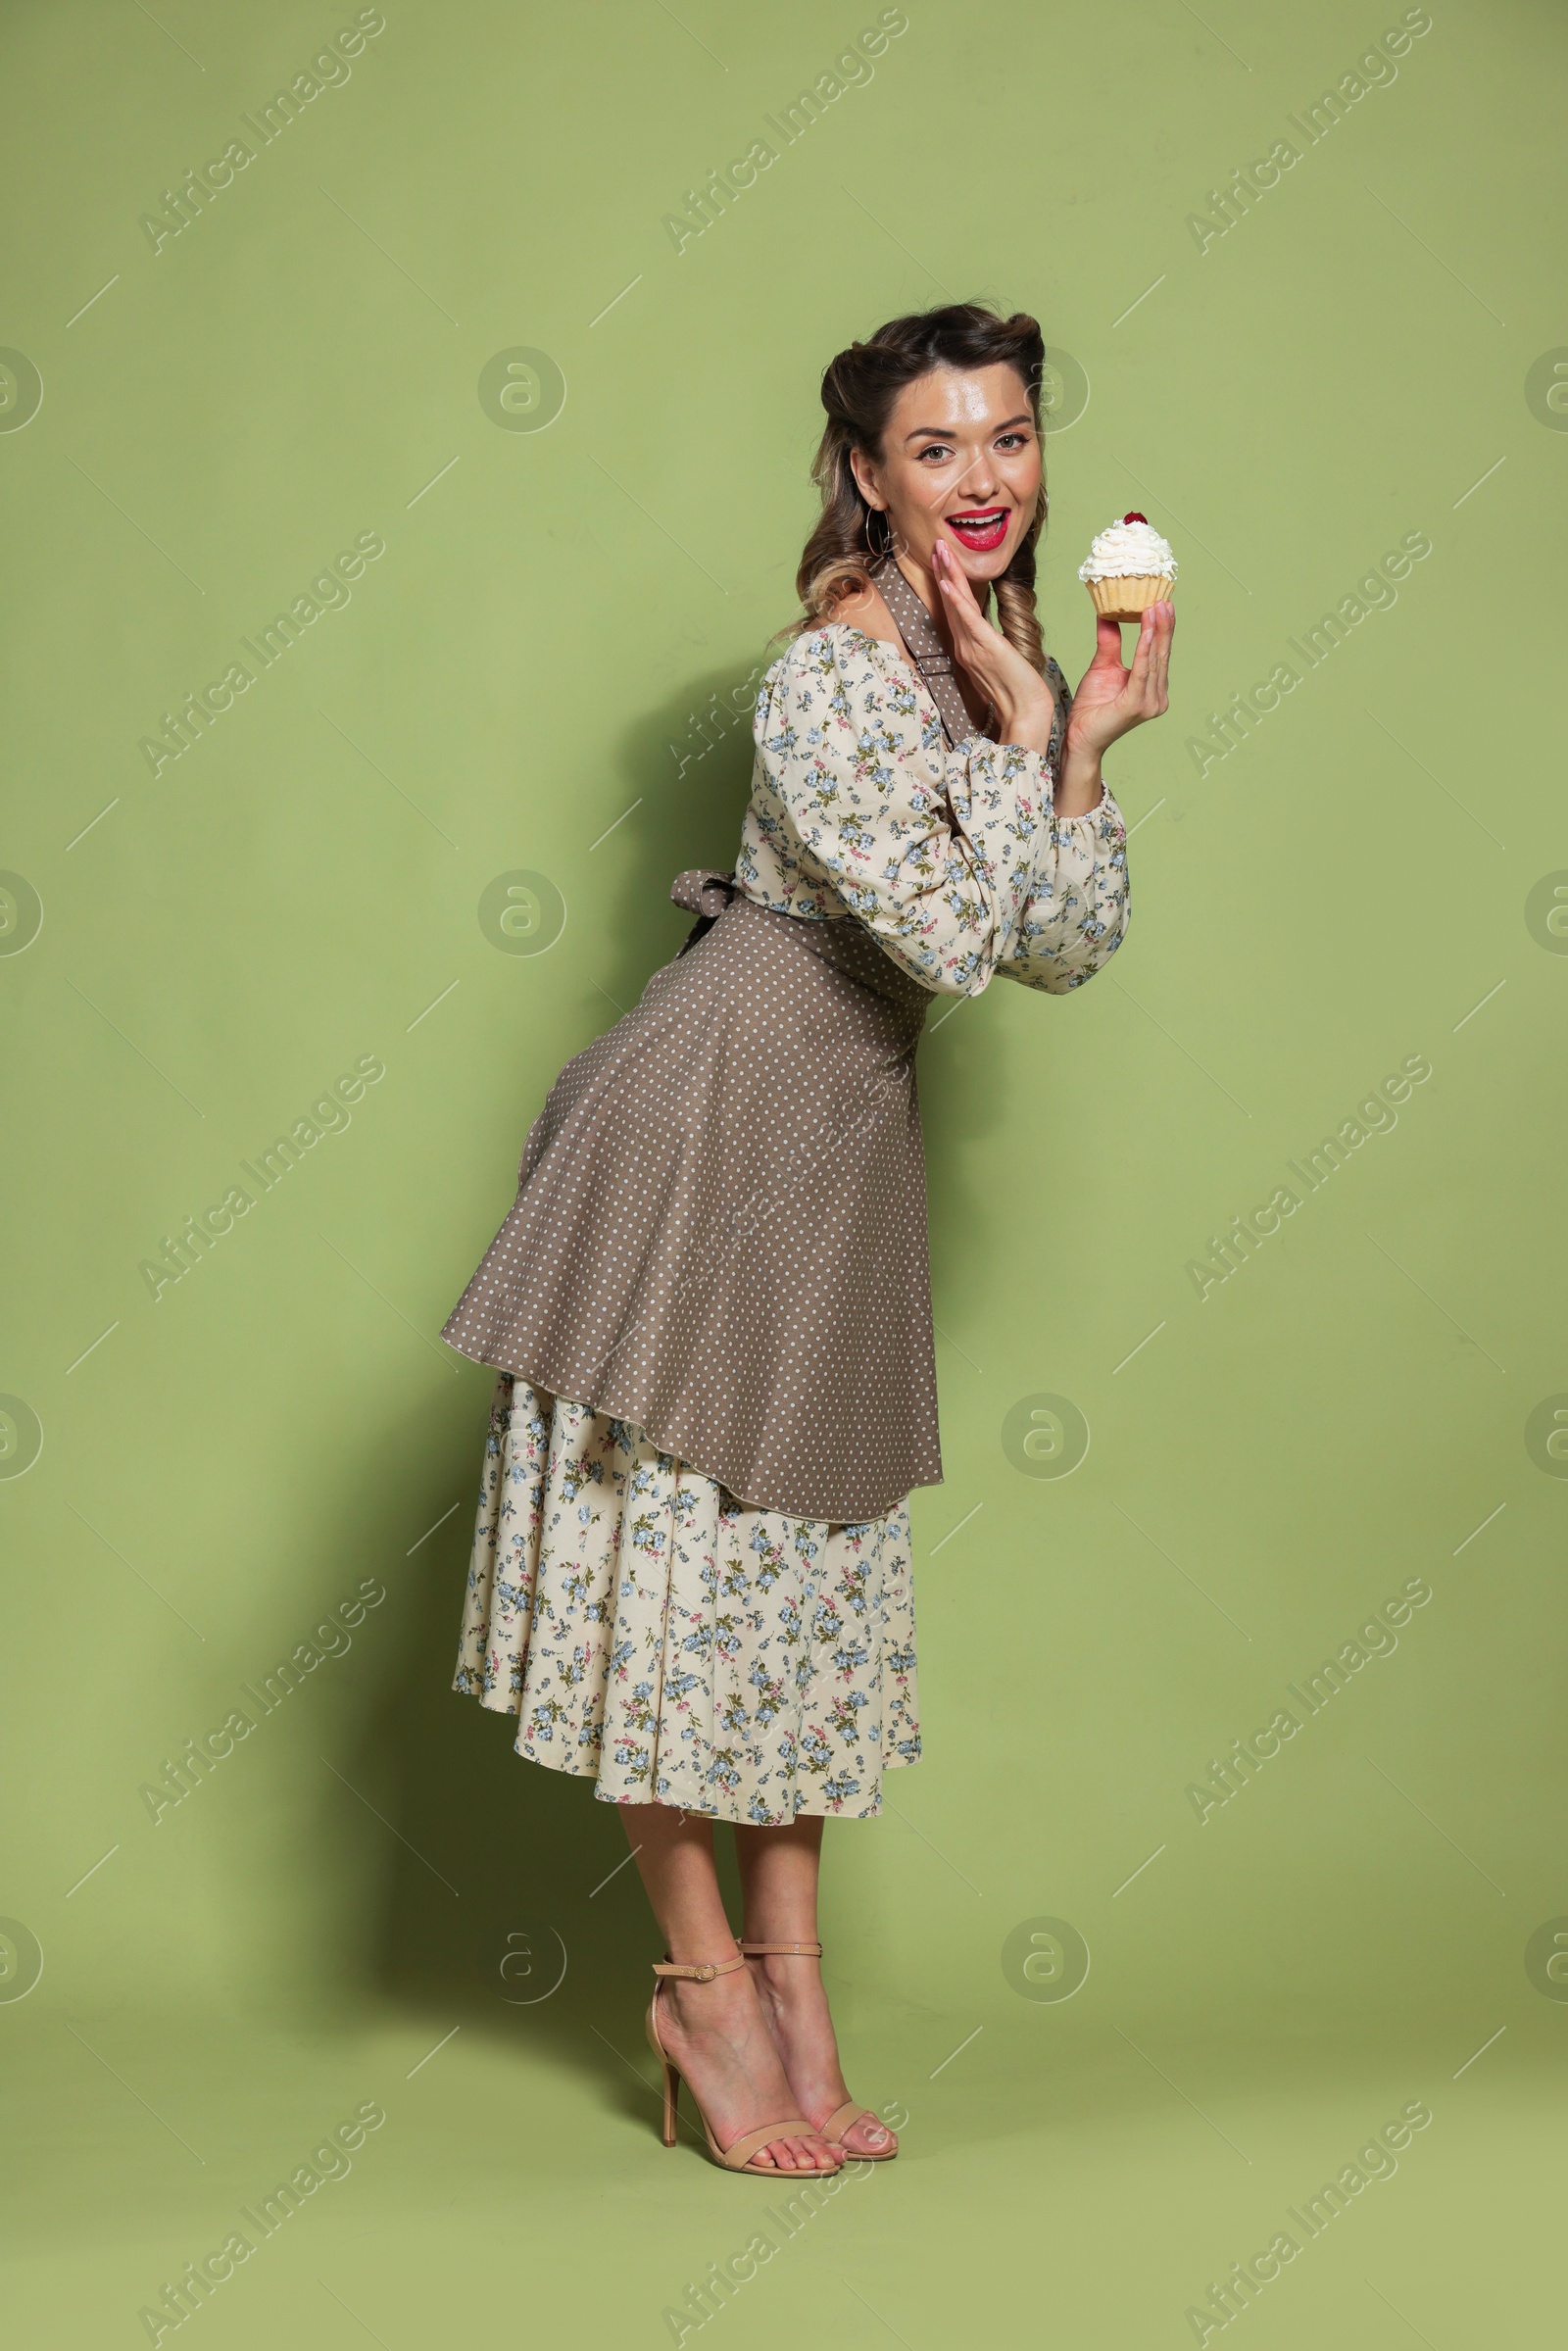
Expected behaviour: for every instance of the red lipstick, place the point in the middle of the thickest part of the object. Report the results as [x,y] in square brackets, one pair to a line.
[981,530]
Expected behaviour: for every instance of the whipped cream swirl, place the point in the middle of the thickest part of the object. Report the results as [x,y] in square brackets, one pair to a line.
[1129,550]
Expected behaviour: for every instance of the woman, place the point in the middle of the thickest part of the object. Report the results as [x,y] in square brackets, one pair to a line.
[710,1306]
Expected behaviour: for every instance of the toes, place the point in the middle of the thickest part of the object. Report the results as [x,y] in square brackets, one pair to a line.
[797,2155]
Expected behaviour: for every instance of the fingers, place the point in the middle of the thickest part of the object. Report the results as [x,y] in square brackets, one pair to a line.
[1147,691]
[1107,642]
[1137,687]
[973,636]
[953,580]
[1146,695]
[1164,630]
[979,644]
[982,651]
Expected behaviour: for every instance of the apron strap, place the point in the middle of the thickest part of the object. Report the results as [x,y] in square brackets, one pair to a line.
[704,893]
[925,649]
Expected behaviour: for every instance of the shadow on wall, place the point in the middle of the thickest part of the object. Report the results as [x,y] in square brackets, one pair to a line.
[497,1904]
[504,1871]
[688,768]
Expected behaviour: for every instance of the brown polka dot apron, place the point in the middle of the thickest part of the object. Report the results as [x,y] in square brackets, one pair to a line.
[719,1235]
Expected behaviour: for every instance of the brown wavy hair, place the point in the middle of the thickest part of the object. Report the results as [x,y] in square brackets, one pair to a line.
[858,390]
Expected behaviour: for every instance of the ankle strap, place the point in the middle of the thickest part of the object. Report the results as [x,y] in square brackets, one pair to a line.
[800,1950]
[702,1973]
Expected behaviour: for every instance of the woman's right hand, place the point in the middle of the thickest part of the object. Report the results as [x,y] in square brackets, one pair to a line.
[1024,704]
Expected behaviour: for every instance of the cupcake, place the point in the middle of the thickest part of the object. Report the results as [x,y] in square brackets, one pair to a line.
[1130,566]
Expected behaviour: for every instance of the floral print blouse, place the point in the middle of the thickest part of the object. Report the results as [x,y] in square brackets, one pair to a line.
[955,861]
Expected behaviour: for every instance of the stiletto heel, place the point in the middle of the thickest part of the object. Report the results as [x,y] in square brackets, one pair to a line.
[738,2157]
[671,2103]
[843,2118]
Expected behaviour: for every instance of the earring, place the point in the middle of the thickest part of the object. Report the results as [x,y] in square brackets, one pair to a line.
[874,516]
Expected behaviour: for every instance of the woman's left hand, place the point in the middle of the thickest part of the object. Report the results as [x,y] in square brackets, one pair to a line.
[1113,699]
[1110,701]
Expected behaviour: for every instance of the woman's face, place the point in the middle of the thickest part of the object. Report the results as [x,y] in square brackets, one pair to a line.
[961,462]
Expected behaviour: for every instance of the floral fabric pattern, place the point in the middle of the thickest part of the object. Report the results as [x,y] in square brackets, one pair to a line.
[674,1644]
[955,861]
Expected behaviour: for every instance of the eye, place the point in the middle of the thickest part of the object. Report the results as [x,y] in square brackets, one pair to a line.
[938,449]
[1012,440]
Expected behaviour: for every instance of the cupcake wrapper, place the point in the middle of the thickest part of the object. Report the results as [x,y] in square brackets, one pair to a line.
[1129,597]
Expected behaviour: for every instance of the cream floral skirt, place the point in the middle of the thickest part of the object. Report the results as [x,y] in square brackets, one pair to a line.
[675,1645]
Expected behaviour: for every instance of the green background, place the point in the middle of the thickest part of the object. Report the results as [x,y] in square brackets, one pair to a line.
[520,671]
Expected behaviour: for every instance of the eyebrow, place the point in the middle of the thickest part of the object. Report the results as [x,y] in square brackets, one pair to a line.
[938,432]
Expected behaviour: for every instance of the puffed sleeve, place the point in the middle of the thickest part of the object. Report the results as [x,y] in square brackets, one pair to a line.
[933,851]
[1076,913]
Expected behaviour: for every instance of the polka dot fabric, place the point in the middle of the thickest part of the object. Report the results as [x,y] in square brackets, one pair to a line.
[720,1232]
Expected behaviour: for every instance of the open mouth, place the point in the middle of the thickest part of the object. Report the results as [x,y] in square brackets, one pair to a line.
[982,530]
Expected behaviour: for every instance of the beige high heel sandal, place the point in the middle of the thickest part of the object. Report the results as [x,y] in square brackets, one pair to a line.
[843,2118]
[739,2157]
